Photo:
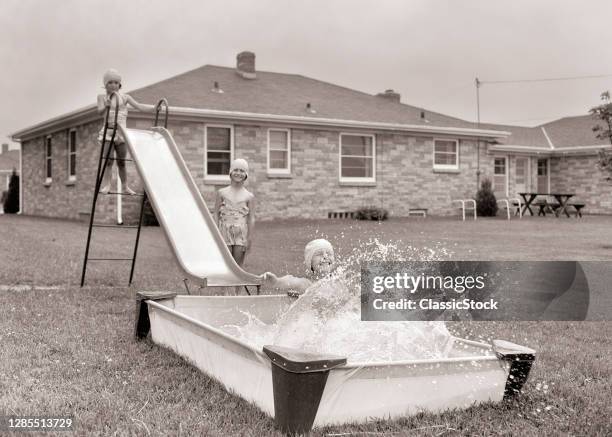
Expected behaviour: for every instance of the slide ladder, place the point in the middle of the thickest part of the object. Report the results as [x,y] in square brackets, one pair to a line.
[102,164]
[192,234]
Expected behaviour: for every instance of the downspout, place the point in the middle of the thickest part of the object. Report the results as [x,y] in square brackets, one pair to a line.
[477,83]
[20,178]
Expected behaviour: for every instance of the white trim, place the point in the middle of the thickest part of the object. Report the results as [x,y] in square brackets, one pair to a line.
[550,143]
[277,171]
[446,166]
[71,178]
[217,178]
[48,159]
[262,117]
[506,171]
[357,180]
[558,151]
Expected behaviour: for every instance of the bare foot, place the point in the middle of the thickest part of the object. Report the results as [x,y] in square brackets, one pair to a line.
[105,189]
[129,190]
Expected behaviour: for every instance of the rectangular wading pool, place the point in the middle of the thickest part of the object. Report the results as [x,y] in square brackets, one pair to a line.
[301,390]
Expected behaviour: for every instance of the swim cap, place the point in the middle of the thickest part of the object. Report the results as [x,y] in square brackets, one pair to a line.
[111,74]
[312,247]
[240,164]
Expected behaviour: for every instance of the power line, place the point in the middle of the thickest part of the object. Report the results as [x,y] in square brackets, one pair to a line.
[550,79]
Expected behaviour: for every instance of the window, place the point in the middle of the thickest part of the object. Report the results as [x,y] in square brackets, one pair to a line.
[446,154]
[72,155]
[499,175]
[48,159]
[357,158]
[279,151]
[219,151]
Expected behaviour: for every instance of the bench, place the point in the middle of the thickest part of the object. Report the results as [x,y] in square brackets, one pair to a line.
[578,207]
[417,211]
[545,206]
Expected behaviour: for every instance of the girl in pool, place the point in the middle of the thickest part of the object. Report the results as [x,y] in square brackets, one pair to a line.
[235,211]
[327,317]
[112,84]
[319,261]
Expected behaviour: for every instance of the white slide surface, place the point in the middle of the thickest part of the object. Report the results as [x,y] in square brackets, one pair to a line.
[181,211]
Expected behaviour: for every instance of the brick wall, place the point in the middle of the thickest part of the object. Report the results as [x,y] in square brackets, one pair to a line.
[580,175]
[61,197]
[404,174]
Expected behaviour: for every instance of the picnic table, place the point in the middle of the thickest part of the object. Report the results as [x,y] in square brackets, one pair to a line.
[561,198]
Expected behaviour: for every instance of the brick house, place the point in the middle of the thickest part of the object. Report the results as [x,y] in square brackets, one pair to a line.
[9,162]
[560,156]
[313,147]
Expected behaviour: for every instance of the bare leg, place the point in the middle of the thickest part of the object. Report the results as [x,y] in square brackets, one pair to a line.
[106,180]
[121,149]
[238,253]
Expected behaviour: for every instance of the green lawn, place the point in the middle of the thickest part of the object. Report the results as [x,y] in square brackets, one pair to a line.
[67,350]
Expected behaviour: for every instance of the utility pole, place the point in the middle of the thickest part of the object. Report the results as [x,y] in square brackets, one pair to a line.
[478,84]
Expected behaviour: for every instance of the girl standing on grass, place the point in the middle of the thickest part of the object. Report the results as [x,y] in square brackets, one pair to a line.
[234,212]
[112,84]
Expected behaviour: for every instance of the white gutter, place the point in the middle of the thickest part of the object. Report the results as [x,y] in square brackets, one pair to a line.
[552,152]
[257,117]
[334,122]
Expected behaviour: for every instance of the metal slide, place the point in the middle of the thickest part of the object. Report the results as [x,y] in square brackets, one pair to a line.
[193,235]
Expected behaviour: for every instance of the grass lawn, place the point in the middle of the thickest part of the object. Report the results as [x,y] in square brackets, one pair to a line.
[67,350]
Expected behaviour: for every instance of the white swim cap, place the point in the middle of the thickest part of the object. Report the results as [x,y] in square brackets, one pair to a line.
[312,247]
[240,164]
[111,74]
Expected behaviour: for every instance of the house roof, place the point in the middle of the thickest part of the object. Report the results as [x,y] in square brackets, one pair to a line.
[285,94]
[521,135]
[566,135]
[9,160]
[570,132]
[281,97]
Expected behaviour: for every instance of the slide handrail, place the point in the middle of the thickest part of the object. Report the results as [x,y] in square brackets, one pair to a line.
[162,102]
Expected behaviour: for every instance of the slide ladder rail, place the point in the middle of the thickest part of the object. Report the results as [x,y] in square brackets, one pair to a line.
[102,164]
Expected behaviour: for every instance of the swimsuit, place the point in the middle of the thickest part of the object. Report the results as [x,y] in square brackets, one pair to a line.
[233,222]
[121,119]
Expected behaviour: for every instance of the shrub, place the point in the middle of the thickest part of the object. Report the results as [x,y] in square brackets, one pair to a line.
[372,213]
[486,203]
[11,202]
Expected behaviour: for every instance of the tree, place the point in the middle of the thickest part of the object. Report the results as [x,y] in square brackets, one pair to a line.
[604,131]
[11,203]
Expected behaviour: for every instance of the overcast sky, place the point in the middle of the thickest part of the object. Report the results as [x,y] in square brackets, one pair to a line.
[53,53]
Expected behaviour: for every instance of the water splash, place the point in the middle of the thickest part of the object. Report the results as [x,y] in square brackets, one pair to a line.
[326,318]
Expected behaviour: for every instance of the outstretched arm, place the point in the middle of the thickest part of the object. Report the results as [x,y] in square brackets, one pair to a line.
[288,282]
[140,106]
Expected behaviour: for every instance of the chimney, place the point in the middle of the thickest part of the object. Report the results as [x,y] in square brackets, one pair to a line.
[390,95]
[245,65]
[4,148]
